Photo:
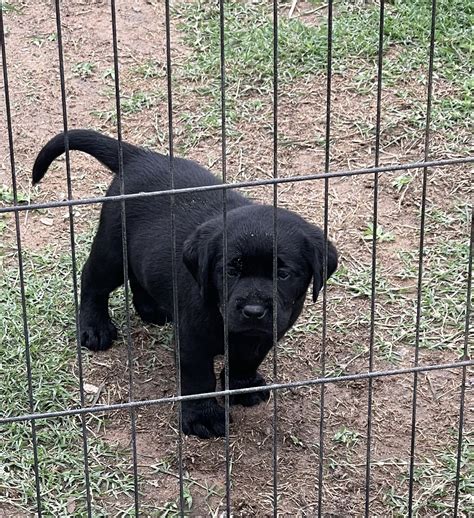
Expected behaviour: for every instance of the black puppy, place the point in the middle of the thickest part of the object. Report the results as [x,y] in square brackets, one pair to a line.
[199,246]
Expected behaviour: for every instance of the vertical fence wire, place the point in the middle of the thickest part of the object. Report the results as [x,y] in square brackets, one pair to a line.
[174,274]
[275,258]
[325,255]
[464,371]
[420,257]
[21,274]
[225,308]
[374,256]
[125,255]
[73,256]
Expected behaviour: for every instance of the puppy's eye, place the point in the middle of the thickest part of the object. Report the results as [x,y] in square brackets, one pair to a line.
[283,275]
[234,268]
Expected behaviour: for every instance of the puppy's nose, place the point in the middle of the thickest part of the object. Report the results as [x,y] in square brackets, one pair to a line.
[254,311]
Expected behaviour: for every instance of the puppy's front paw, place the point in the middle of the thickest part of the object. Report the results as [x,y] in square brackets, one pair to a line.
[205,419]
[99,335]
[251,398]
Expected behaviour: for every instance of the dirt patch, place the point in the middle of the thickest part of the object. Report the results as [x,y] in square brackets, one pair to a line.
[36,113]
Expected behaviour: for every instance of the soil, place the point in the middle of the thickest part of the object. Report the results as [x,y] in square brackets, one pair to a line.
[37,116]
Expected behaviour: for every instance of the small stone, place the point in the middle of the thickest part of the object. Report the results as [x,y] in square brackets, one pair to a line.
[90,389]
[47,221]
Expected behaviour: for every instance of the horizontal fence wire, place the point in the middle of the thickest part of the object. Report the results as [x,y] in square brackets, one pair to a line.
[239,185]
[272,386]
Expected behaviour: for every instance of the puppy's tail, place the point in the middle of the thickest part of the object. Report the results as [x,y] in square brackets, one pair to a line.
[104,149]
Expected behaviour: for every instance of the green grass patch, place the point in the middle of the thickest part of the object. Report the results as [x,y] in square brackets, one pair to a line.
[50,311]
[10,7]
[443,296]
[407,27]
[435,480]
[150,69]
[84,69]
[302,51]
[248,58]
[6,195]
[41,39]
[130,104]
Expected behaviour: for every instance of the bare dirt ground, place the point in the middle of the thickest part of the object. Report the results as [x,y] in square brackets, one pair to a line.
[36,113]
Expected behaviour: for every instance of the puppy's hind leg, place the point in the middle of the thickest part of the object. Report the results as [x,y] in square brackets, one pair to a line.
[145,304]
[102,273]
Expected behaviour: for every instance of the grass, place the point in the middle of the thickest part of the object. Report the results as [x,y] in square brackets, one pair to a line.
[248,57]
[150,69]
[346,437]
[381,235]
[6,195]
[302,51]
[84,69]
[444,283]
[40,39]
[443,300]
[249,84]
[9,7]
[55,387]
[212,494]
[130,104]
[407,30]
[435,482]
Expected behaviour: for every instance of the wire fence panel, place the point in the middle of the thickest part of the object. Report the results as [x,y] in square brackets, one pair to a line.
[321,499]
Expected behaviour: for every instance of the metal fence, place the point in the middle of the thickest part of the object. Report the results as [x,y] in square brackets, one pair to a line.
[372,171]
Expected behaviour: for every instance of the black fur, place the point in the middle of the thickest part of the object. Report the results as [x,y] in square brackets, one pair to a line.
[199,240]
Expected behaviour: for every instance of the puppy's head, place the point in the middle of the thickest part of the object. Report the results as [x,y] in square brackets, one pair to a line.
[249,268]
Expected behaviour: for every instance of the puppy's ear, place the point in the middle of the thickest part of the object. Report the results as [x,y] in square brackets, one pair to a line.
[199,253]
[319,267]
[317,250]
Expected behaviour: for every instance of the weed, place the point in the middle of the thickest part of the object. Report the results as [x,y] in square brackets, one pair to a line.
[382,235]
[172,508]
[402,181]
[6,195]
[83,69]
[346,437]
[40,39]
[297,441]
[138,101]
[150,69]
[8,7]
[130,104]
[109,73]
